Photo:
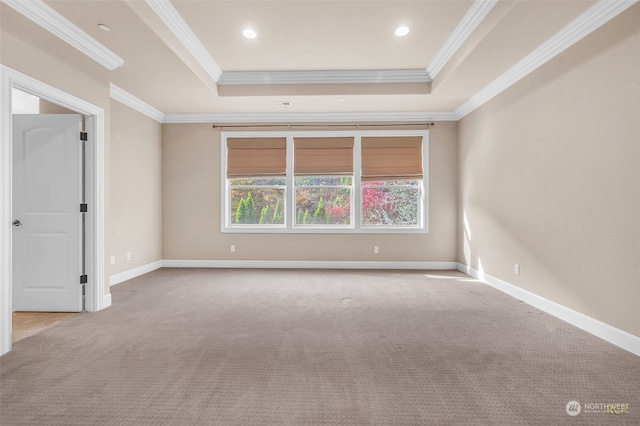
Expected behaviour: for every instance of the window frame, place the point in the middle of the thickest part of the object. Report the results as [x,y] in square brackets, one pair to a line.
[356,227]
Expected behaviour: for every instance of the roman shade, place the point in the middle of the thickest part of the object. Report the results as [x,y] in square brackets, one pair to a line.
[323,156]
[255,157]
[386,158]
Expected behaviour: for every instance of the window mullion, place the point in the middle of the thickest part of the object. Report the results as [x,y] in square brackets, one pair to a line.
[225,191]
[356,197]
[424,190]
[290,190]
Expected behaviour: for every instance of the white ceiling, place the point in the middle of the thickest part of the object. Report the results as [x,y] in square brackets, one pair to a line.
[328,56]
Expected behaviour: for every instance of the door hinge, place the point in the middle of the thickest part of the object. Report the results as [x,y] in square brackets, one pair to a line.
[83,136]
[83,279]
[83,208]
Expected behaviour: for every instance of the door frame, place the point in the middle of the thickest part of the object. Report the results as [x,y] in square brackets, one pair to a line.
[95,297]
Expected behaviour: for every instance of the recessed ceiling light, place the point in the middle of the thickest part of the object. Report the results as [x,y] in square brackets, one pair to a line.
[249,33]
[402,31]
[104,27]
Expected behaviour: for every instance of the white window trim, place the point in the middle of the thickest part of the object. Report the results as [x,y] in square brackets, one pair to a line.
[289,211]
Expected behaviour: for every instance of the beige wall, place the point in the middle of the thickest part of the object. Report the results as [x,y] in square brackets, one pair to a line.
[191,209]
[26,47]
[136,189]
[51,108]
[550,179]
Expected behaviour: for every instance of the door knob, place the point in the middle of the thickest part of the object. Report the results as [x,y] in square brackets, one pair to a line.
[16,223]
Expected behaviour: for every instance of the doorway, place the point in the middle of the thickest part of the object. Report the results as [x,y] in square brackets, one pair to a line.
[95,297]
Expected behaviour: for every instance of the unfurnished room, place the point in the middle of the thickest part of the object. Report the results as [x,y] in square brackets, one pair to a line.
[306,212]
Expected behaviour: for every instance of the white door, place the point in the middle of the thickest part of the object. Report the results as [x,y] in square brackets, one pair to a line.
[47,185]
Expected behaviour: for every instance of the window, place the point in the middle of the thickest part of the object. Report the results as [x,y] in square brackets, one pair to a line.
[324,181]
[391,176]
[256,177]
[323,170]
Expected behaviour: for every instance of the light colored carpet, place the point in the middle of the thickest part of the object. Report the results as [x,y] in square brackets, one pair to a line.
[308,347]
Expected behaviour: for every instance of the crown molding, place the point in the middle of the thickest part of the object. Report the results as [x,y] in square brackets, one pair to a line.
[43,15]
[586,23]
[174,21]
[142,107]
[592,19]
[131,101]
[345,117]
[323,77]
[467,25]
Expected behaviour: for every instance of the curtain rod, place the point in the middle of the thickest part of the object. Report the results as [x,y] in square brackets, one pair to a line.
[289,126]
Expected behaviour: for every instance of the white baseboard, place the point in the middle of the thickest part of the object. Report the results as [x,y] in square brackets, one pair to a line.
[599,329]
[135,272]
[274,264]
[106,301]
[301,264]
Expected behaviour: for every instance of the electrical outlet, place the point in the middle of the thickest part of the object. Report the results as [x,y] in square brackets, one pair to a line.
[516,269]
[232,248]
[375,249]
[113,260]
[128,255]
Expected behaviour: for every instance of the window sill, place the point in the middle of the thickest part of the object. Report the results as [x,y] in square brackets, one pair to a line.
[347,231]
